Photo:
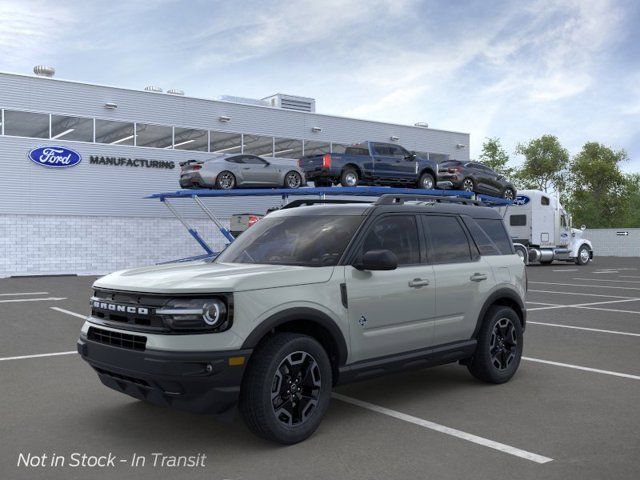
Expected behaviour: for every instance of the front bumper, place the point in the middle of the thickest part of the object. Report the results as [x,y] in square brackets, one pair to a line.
[199,382]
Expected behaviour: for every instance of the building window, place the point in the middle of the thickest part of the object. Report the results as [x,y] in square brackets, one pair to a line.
[26,124]
[190,139]
[156,136]
[316,148]
[71,128]
[223,142]
[287,148]
[258,145]
[114,133]
[338,147]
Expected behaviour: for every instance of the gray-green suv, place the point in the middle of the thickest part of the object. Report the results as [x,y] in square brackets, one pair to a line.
[308,298]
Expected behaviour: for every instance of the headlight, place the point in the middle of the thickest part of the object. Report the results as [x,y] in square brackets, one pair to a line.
[201,314]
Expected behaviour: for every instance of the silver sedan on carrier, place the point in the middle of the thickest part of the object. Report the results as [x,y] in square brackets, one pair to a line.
[240,170]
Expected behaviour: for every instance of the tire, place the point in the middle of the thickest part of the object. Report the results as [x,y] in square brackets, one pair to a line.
[468,185]
[292,180]
[427,181]
[267,368]
[509,194]
[584,255]
[499,366]
[349,178]
[225,180]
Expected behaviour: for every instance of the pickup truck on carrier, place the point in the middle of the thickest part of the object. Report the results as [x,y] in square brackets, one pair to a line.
[371,163]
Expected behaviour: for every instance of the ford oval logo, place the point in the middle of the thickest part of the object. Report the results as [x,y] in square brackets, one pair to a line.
[55,157]
[521,200]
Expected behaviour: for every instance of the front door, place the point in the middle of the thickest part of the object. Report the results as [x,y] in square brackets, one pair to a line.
[391,311]
[259,171]
[393,163]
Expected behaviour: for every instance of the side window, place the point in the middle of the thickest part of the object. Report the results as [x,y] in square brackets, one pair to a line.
[237,159]
[518,220]
[563,221]
[494,228]
[397,151]
[253,160]
[544,201]
[398,233]
[485,245]
[448,241]
[382,149]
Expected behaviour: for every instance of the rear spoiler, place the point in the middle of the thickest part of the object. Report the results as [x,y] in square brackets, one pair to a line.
[188,162]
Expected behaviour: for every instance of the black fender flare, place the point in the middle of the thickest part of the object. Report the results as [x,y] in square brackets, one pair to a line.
[300,314]
[495,297]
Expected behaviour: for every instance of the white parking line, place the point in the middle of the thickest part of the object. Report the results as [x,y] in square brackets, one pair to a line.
[609,310]
[576,293]
[603,280]
[590,286]
[22,293]
[48,299]
[38,355]
[73,314]
[566,270]
[546,304]
[447,430]
[584,328]
[584,305]
[629,276]
[579,367]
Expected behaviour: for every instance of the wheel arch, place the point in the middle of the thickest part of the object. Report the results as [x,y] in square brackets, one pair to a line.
[307,321]
[505,297]
[354,167]
[430,171]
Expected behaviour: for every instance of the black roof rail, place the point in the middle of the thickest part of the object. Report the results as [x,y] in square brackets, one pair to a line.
[319,201]
[391,199]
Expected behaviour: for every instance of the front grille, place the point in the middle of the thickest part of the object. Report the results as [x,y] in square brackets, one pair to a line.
[131,309]
[117,339]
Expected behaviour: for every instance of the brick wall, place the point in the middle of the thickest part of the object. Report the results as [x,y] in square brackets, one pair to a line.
[613,242]
[43,244]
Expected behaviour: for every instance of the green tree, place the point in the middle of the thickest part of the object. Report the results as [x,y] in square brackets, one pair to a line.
[496,157]
[545,164]
[600,193]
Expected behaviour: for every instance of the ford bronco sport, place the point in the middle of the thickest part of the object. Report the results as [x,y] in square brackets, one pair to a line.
[309,298]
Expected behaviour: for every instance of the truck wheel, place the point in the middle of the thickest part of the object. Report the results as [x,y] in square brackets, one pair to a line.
[286,389]
[499,347]
[349,178]
[427,181]
[584,255]
[225,180]
[468,185]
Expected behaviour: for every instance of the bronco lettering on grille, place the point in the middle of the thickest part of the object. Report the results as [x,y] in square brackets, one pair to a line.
[120,308]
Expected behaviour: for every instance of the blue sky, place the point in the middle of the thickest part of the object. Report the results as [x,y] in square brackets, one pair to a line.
[515,70]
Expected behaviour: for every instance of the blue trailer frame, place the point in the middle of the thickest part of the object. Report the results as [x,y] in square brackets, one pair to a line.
[321,192]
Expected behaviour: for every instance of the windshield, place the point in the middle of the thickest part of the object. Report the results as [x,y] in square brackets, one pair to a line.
[310,241]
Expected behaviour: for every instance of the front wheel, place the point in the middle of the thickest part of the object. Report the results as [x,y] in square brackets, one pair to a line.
[508,194]
[468,185]
[584,255]
[286,389]
[292,180]
[499,349]
[427,181]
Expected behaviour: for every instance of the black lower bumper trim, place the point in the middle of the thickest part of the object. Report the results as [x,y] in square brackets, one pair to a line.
[199,382]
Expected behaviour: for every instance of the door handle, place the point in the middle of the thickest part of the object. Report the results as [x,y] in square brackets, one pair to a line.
[418,282]
[478,277]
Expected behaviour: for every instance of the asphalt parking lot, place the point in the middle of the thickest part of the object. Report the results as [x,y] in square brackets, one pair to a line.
[570,412]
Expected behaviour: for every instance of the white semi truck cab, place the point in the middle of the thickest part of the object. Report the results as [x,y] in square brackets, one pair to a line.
[541,230]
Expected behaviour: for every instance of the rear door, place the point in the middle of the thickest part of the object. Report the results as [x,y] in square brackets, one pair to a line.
[463,279]
[391,311]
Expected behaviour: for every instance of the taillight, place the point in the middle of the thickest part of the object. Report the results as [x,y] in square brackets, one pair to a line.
[326,161]
[298,162]
[252,219]
[455,170]
[197,166]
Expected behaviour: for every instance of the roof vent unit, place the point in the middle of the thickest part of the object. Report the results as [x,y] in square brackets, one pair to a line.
[44,71]
[175,91]
[291,102]
[243,100]
[153,88]
[422,124]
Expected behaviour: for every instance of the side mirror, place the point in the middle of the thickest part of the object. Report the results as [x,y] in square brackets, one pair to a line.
[411,156]
[378,260]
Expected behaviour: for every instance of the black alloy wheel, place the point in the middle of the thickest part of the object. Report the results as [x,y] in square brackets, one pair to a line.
[293,180]
[296,388]
[504,344]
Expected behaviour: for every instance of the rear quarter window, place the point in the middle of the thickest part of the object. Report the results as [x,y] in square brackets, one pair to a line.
[497,233]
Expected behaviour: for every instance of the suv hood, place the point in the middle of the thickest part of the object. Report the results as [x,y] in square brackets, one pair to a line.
[204,277]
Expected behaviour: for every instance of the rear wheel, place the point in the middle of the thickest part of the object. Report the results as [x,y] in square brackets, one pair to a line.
[584,255]
[349,178]
[427,181]
[292,180]
[508,194]
[499,349]
[225,180]
[468,185]
[286,389]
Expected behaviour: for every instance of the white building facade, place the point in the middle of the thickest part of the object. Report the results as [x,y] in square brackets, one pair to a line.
[92,218]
